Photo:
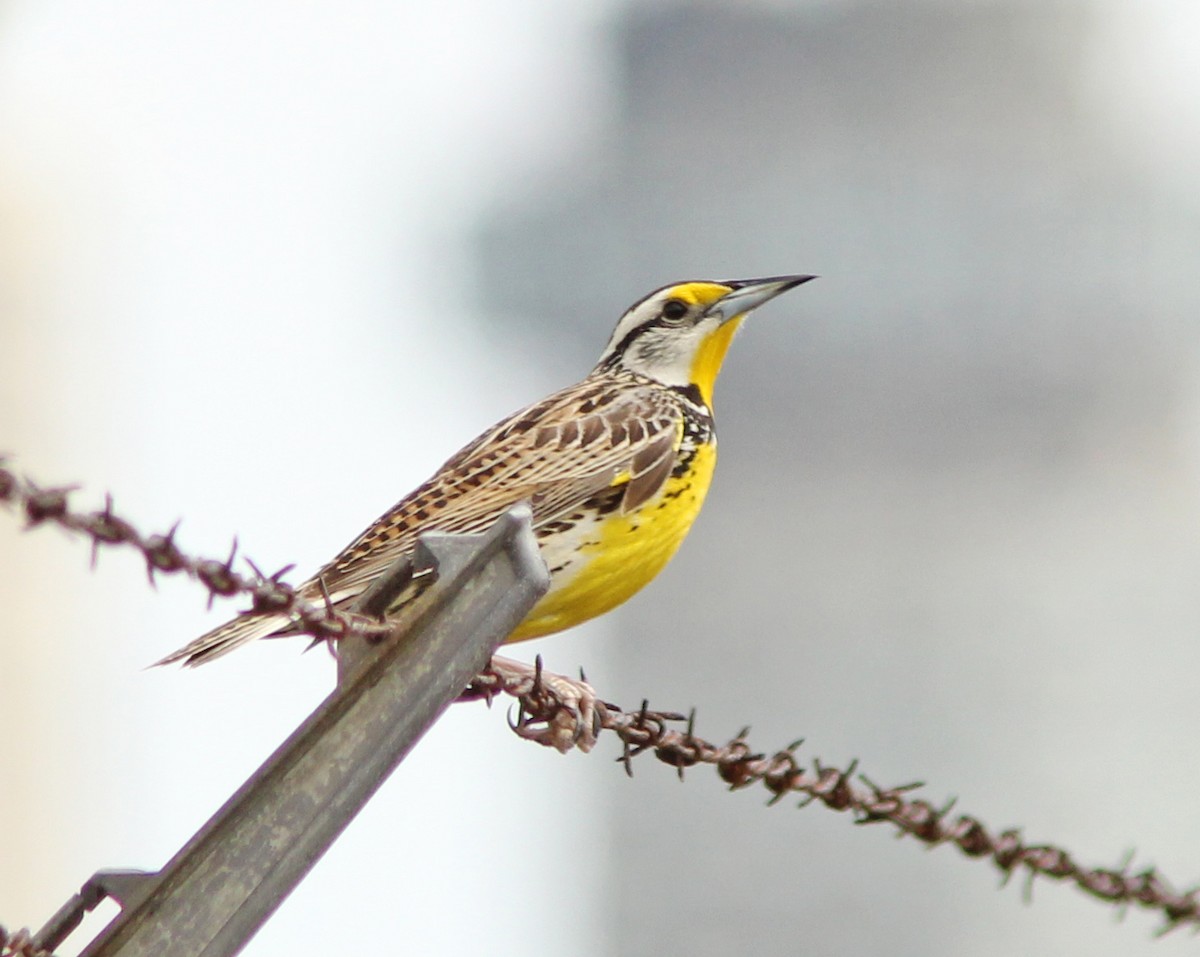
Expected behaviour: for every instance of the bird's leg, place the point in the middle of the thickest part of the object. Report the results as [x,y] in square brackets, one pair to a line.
[555,710]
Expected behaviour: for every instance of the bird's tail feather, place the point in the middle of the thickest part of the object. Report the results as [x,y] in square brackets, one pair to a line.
[224,638]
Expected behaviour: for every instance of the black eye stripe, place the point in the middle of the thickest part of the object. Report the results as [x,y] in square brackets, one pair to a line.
[659,320]
[623,346]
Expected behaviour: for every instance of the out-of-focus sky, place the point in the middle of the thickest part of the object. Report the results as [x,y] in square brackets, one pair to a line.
[233,291]
[262,268]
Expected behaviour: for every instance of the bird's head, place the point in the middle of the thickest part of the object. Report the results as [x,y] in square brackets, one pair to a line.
[679,334]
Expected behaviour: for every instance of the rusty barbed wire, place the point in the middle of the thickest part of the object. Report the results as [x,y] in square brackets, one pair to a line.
[563,713]
[544,712]
[20,944]
[104,527]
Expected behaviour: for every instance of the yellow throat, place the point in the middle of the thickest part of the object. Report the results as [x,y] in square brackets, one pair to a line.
[711,354]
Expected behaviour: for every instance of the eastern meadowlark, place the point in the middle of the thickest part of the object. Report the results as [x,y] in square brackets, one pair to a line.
[615,468]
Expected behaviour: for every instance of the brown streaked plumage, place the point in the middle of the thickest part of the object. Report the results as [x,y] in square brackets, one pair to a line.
[614,467]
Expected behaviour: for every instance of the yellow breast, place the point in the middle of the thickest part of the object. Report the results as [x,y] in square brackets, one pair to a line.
[617,555]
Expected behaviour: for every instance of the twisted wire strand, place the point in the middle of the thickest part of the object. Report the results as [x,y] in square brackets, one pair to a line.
[20,944]
[541,705]
[105,528]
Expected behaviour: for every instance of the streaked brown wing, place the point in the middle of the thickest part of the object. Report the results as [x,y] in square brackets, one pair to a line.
[556,454]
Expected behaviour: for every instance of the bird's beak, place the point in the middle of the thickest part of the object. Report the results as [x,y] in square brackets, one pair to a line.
[748,294]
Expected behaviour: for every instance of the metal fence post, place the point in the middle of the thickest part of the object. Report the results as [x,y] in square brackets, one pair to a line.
[227,880]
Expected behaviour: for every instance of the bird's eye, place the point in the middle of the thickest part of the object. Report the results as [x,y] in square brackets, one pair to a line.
[674,309]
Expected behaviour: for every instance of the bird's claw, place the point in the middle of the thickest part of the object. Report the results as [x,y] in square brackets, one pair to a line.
[555,711]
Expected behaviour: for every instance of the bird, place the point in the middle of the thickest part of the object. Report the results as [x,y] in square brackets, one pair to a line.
[615,469]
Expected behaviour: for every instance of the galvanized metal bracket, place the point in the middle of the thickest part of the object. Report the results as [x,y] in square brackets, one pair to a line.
[228,879]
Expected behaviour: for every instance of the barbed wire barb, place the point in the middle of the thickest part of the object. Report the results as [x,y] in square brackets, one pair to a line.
[20,944]
[51,506]
[565,713]
[781,774]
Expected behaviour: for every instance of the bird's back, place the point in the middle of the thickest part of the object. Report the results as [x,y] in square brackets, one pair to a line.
[588,459]
[615,469]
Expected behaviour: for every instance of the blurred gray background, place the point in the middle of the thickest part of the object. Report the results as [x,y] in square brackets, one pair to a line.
[954,532]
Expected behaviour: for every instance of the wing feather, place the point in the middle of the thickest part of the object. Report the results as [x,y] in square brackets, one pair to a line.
[552,454]
[556,454]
